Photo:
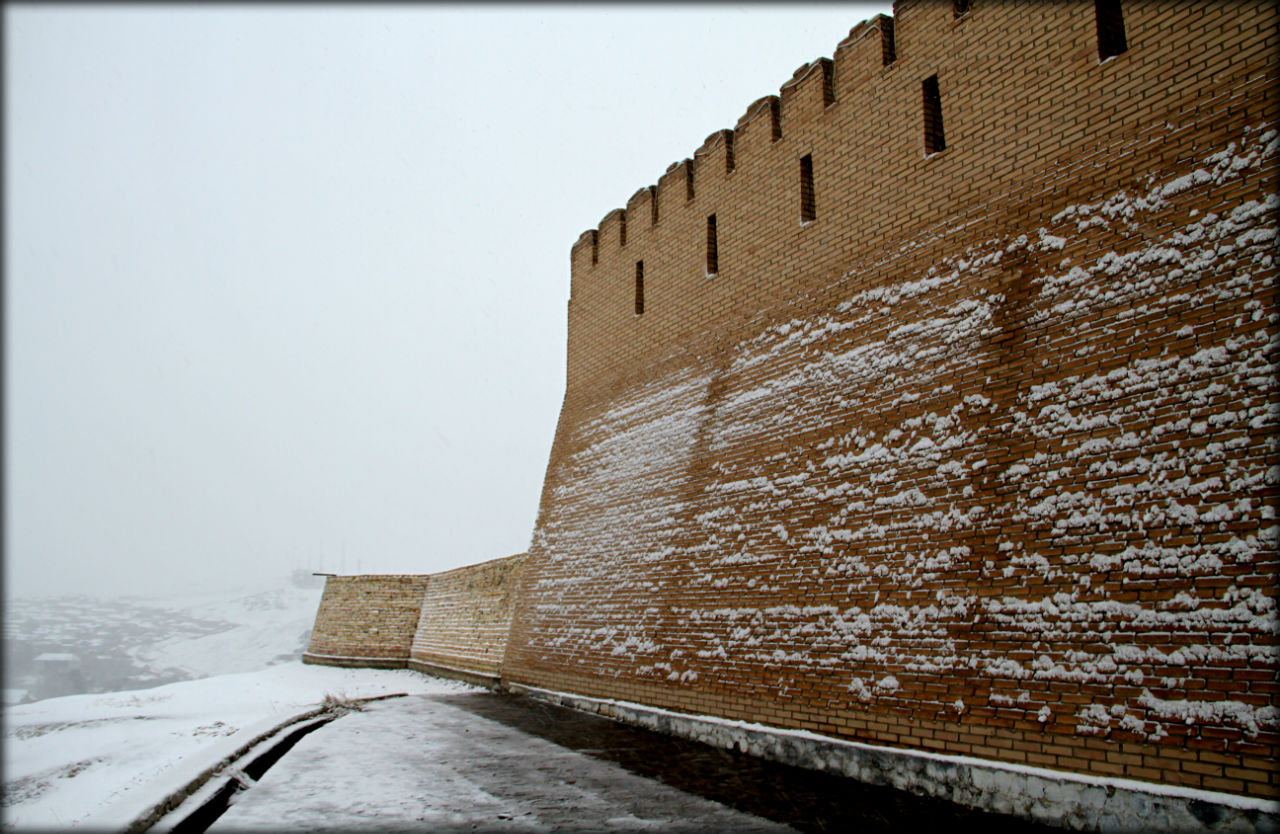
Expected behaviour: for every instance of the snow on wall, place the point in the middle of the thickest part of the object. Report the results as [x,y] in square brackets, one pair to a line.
[620,500]
[1035,480]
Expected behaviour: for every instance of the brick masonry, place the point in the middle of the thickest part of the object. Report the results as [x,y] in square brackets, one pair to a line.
[466,617]
[980,460]
[453,623]
[371,617]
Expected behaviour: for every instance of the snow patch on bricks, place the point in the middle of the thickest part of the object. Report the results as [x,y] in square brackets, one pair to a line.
[939,528]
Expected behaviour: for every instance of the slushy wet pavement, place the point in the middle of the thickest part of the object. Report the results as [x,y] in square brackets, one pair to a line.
[491,762]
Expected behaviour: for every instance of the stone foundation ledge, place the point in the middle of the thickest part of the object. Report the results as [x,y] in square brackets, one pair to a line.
[1073,801]
[352,661]
[441,670]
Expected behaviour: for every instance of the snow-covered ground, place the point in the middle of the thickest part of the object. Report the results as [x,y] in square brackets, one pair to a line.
[68,759]
[264,628]
[91,760]
[434,765]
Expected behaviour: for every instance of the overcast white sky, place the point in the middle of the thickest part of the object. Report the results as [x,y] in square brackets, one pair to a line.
[285,285]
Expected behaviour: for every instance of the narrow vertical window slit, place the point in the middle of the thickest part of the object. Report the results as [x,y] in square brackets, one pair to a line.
[713,247]
[1110,18]
[639,288]
[808,203]
[888,49]
[934,139]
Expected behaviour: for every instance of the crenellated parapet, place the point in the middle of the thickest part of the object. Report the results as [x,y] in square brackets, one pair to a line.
[879,157]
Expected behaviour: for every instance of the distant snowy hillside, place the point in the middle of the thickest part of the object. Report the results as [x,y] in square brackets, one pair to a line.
[118,644]
[263,629]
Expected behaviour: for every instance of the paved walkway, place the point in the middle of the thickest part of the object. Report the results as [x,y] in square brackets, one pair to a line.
[486,762]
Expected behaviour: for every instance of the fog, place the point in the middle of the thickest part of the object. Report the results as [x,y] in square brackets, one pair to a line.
[285,286]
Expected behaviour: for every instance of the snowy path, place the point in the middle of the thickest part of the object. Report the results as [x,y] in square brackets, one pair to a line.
[422,762]
[483,762]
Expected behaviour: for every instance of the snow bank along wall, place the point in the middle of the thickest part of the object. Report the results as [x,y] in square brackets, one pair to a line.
[453,623]
[934,406]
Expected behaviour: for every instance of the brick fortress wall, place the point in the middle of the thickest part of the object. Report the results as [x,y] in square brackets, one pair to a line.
[366,620]
[975,450]
[465,619]
[453,623]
